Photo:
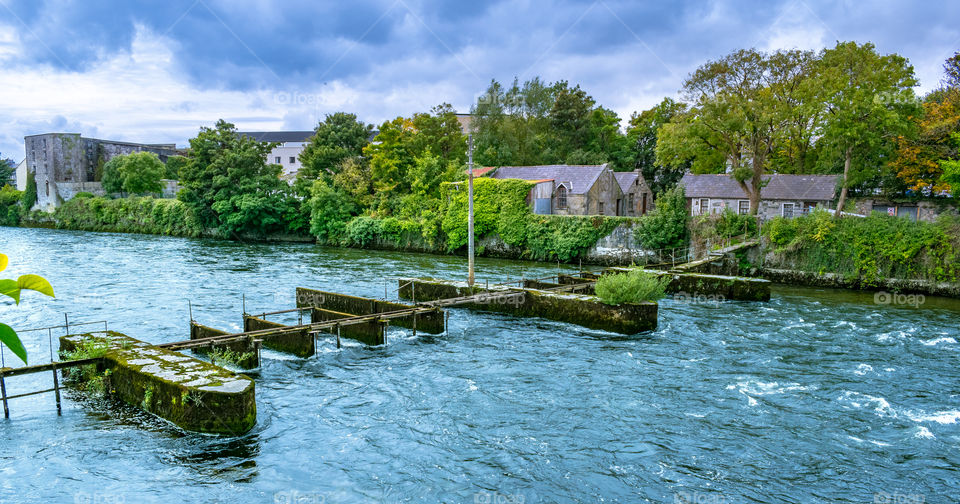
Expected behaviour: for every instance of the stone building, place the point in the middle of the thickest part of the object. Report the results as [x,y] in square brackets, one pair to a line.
[783,196]
[64,164]
[580,189]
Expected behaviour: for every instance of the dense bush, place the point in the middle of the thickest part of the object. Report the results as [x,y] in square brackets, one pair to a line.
[666,226]
[29,192]
[636,286]
[871,248]
[564,238]
[128,215]
[10,208]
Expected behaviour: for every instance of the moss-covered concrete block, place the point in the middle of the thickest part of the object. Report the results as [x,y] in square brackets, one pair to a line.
[370,333]
[296,340]
[193,394]
[586,311]
[431,323]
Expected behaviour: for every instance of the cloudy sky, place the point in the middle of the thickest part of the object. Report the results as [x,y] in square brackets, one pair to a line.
[155,71]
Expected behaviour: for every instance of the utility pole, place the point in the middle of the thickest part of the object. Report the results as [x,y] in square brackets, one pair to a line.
[470,208]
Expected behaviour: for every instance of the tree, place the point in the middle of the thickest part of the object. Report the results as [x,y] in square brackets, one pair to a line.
[141,173]
[642,134]
[8,169]
[13,289]
[30,192]
[135,173]
[869,101]
[112,178]
[666,226]
[338,137]
[174,163]
[733,118]
[229,185]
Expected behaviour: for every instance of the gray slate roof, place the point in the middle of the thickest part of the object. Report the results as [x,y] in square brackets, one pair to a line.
[278,136]
[578,178]
[625,179]
[780,187]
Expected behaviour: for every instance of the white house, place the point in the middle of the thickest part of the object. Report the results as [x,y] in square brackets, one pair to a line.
[287,154]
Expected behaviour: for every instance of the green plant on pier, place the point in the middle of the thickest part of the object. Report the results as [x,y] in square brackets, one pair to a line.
[221,356]
[635,286]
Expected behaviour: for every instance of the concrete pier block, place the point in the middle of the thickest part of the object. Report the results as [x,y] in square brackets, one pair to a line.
[431,323]
[193,394]
[296,341]
[371,333]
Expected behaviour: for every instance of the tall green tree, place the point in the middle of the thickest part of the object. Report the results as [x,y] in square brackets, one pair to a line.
[111,177]
[870,101]
[642,136]
[173,165]
[142,172]
[229,185]
[7,170]
[338,137]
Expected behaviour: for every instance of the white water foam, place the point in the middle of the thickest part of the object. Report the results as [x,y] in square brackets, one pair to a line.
[863,369]
[923,433]
[945,339]
[941,417]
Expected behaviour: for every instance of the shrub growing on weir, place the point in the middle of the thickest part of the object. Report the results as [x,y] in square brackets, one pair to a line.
[635,286]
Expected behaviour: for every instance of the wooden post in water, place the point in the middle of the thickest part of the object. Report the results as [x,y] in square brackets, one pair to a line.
[3,393]
[338,336]
[56,389]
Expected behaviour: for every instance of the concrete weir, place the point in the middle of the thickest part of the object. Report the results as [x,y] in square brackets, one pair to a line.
[586,311]
[431,322]
[688,285]
[298,341]
[193,394]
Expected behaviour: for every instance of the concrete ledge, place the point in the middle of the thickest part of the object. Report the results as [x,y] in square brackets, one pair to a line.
[299,342]
[193,394]
[370,333]
[431,323]
[245,349]
[586,311]
[836,281]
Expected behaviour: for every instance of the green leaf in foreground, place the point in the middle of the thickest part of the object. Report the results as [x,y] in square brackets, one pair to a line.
[9,338]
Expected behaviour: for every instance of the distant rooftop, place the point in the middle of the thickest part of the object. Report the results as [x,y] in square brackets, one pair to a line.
[577,178]
[780,187]
[278,136]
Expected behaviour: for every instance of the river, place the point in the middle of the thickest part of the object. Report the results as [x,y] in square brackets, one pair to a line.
[816,396]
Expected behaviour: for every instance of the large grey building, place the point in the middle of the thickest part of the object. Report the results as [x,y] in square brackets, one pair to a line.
[64,164]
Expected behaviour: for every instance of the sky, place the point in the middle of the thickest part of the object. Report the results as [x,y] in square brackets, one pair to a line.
[156,71]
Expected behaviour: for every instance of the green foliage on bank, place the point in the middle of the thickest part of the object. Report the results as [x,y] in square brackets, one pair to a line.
[10,208]
[635,286]
[129,215]
[667,226]
[871,248]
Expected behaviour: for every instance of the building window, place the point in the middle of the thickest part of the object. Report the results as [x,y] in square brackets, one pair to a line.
[600,208]
[703,207]
[643,204]
[787,210]
[47,184]
[630,203]
[293,159]
[276,160]
[562,197]
[743,207]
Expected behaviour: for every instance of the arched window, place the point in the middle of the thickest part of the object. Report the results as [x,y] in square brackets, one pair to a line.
[562,197]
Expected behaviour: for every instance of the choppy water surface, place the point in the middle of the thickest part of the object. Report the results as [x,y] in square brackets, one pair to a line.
[817,396]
